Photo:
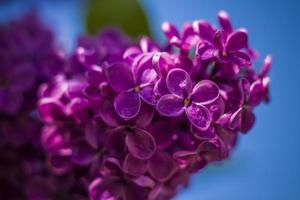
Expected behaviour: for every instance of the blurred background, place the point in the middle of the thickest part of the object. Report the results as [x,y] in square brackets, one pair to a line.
[266,163]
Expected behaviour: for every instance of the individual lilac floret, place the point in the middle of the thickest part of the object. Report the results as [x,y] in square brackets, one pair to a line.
[185,97]
[131,89]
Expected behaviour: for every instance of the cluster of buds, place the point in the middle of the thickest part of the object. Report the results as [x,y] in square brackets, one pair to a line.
[135,121]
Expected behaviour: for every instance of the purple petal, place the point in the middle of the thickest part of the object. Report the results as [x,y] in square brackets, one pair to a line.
[55,90]
[60,164]
[162,61]
[179,82]
[199,116]
[217,108]
[244,87]
[127,104]
[145,116]
[143,69]
[163,134]
[185,139]
[240,58]
[134,166]
[95,134]
[115,142]
[108,114]
[120,77]
[143,181]
[237,40]
[235,119]
[131,53]
[141,144]
[204,29]
[161,166]
[52,139]
[82,153]
[224,21]
[147,45]
[170,105]
[160,87]
[74,88]
[95,76]
[148,95]
[219,40]
[248,119]
[203,135]
[257,93]
[51,110]
[190,160]
[212,150]
[92,93]
[205,92]
[99,190]
[266,66]
[169,30]
[207,52]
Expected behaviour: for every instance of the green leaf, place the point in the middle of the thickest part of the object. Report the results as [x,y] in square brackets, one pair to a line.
[125,14]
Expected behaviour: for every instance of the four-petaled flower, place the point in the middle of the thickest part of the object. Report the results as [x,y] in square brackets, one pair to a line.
[186,98]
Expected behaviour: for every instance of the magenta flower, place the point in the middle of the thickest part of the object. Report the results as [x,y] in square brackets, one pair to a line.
[226,48]
[185,40]
[186,98]
[131,90]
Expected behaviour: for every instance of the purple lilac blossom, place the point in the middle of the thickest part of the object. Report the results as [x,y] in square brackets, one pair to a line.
[28,58]
[144,117]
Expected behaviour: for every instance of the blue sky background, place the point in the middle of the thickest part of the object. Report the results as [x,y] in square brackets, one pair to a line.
[266,163]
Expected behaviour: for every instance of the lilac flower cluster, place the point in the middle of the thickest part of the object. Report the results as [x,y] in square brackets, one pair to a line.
[28,57]
[138,119]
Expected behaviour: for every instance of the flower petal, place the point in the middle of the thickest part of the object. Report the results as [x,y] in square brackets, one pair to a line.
[140,144]
[213,150]
[145,116]
[144,181]
[99,190]
[108,114]
[248,119]
[240,58]
[199,116]
[51,110]
[82,153]
[224,21]
[179,82]
[95,76]
[120,77]
[244,87]
[257,92]
[170,105]
[163,133]
[161,166]
[205,92]
[60,164]
[115,141]
[237,40]
[134,166]
[235,119]
[127,104]
[169,30]
[204,29]
[203,135]
[148,95]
